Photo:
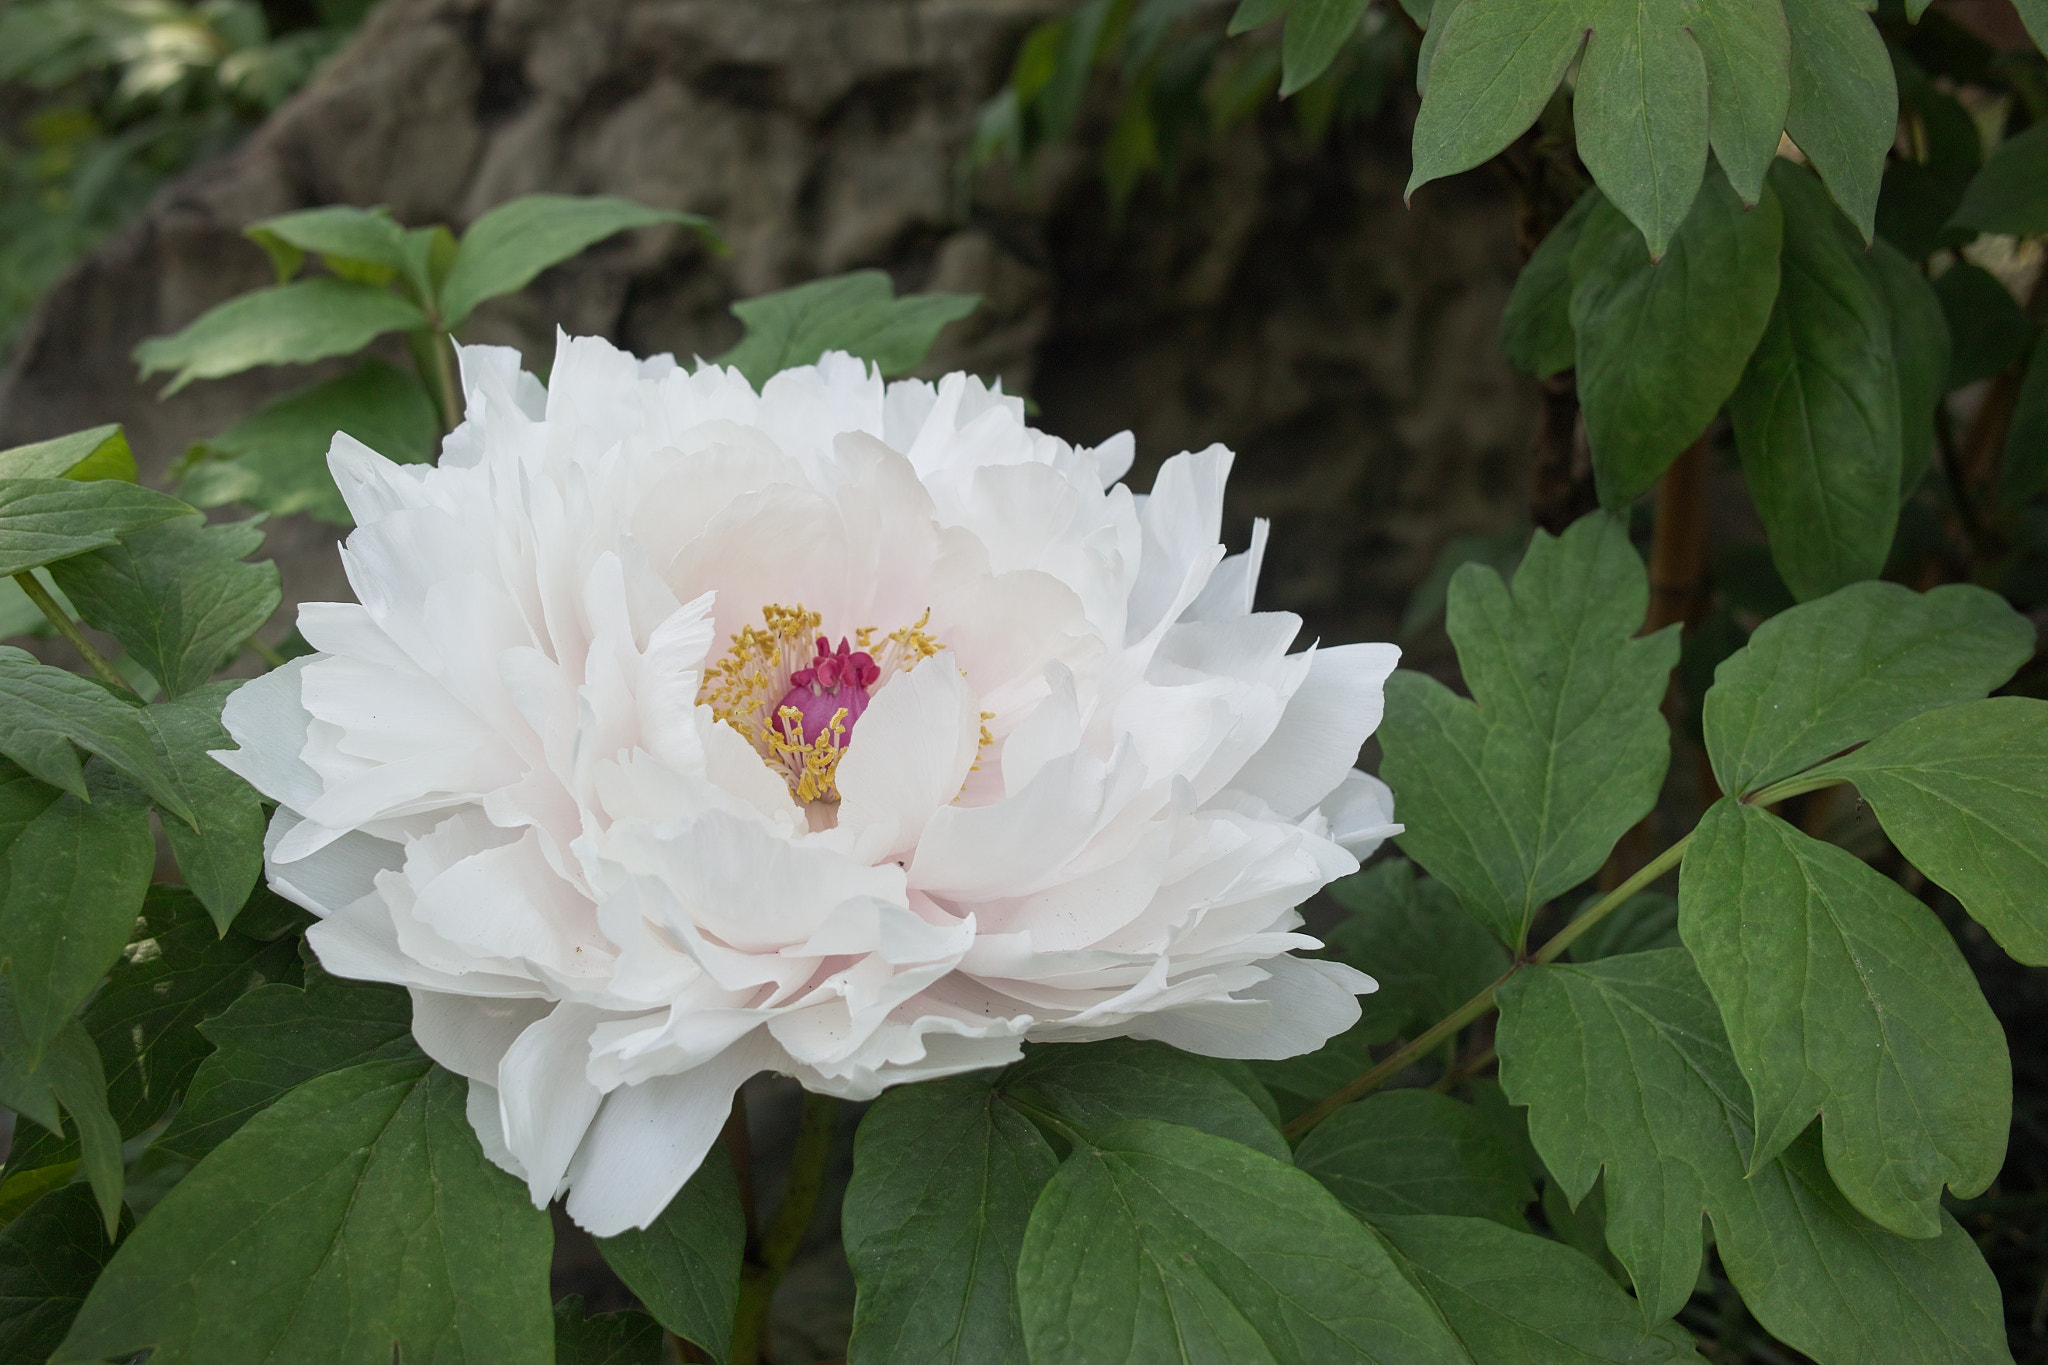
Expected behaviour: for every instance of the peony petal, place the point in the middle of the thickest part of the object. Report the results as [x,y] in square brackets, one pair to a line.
[467,1034]
[545,1097]
[910,755]
[1329,716]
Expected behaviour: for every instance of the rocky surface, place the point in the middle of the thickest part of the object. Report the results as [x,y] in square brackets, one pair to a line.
[1278,298]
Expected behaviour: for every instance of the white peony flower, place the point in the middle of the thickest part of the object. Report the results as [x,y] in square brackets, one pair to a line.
[851,732]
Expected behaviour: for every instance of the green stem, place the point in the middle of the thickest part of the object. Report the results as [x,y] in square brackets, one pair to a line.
[67,628]
[786,1230]
[1791,787]
[271,658]
[1479,1004]
[433,355]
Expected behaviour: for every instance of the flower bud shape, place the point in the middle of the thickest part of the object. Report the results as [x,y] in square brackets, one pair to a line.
[855,732]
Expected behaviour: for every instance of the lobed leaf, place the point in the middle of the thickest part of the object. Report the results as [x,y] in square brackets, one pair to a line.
[1412,936]
[1162,1243]
[97,453]
[685,1265]
[855,313]
[1417,1152]
[288,324]
[2010,195]
[1963,794]
[1844,109]
[944,1178]
[1821,676]
[1624,1068]
[505,248]
[44,711]
[1817,412]
[222,856]
[625,1338]
[1662,344]
[1520,793]
[49,1258]
[354,1221]
[1845,998]
[44,520]
[1095,1086]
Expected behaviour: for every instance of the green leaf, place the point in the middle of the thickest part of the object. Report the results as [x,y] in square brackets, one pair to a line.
[275,459]
[1987,328]
[1536,327]
[1623,1066]
[68,1078]
[944,1177]
[1822,676]
[1914,205]
[685,1265]
[46,520]
[277,1037]
[1095,1086]
[2034,15]
[1845,997]
[1748,51]
[1645,921]
[855,313]
[2010,195]
[98,453]
[44,711]
[1817,413]
[222,858]
[1646,151]
[75,881]
[1316,31]
[1562,746]
[1162,1243]
[2023,471]
[1662,344]
[1963,793]
[1412,936]
[343,234]
[627,1338]
[49,1258]
[1920,355]
[1844,112]
[145,1023]
[504,249]
[1251,14]
[1511,1296]
[1415,1151]
[1491,69]
[176,595]
[355,1220]
[288,324]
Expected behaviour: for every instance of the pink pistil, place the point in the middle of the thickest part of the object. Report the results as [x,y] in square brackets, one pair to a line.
[837,680]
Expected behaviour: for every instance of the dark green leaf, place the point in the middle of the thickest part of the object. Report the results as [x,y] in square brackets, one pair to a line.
[44,711]
[1817,413]
[1845,997]
[1411,935]
[2024,470]
[1511,1296]
[1415,1151]
[1661,345]
[1748,50]
[1316,31]
[504,249]
[275,459]
[2034,15]
[49,1258]
[1624,1066]
[177,595]
[1963,793]
[98,453]
[355,1216]
[1845,101]
[288,324]
[145,1023]
[1643,922]
[46,520]
[277,1037]
[1251,14]
[75,881]
[628,1338]
[1913,208]
[855,313]
[2010,195]
[1920,355]
[69,1078]
[1820,677]
[1536,328]
[1095,1086]
[944,1176]
[1162,1243]
[1562,746]
[222,858]
[685,1265]
[1987,329]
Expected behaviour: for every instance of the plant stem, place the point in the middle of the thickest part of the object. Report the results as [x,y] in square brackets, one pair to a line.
[1479,1004]
[271,658]
[785,1233]
[1465,1070]
[68,628]
[433,355]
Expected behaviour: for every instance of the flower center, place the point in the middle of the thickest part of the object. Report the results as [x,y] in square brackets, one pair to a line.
[799,712]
